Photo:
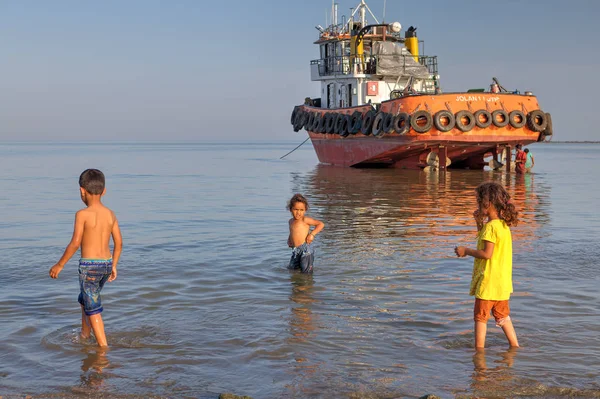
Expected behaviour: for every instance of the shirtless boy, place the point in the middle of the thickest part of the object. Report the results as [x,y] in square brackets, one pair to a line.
[301,236]
[93,228]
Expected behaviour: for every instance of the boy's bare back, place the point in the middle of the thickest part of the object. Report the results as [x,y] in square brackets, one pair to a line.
[98,225]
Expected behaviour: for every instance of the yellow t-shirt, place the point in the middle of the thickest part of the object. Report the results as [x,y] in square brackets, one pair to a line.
[492,278]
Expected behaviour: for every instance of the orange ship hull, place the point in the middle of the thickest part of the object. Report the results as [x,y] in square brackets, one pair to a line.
[459,129]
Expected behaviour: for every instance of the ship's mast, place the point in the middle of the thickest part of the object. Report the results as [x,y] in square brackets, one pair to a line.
[363,14]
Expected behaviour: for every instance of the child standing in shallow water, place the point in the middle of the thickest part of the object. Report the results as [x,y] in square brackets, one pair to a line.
[94,226]
[300,236]
[491,283]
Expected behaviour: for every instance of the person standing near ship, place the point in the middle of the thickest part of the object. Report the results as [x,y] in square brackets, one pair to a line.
[520,159]
[529,161]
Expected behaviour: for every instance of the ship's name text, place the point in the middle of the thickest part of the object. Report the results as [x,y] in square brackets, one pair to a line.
[477,98]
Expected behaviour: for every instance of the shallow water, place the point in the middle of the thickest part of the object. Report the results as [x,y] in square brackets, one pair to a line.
[204,303]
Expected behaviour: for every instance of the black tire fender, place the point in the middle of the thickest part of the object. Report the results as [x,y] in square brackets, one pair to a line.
[503,115]
[321,126]
[401,123]
[517,119]
[388,123]
[418,117]
[294,112]
[337,127]
[299,121]
[377,129]
[439,116]
[548,131]
[310,121]
[355,122]
[316,123]
[487,116]
[464,127]
[537,121]
[344,126]
[329,122]
[367,122]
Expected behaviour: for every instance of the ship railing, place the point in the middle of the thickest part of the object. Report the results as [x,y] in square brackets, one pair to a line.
[370,64]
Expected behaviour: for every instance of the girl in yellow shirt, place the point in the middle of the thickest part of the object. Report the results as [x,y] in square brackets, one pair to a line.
[491,283]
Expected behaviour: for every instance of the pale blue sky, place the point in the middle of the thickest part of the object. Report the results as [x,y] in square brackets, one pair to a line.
[175,70]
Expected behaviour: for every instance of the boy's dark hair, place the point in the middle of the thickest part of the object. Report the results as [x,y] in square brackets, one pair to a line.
[92,181]
[519,146]
[526,150]
[493,193]
[297,198]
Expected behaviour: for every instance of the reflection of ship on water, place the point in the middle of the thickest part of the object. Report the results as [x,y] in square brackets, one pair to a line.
[414,207]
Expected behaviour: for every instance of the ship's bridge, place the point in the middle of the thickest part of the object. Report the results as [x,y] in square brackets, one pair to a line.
[370,64]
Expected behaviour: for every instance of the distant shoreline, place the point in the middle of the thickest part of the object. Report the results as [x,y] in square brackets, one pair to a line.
[569,142]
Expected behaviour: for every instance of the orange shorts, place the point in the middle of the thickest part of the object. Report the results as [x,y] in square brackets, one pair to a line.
[499,309]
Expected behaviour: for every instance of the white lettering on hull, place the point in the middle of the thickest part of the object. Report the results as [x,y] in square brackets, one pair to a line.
[478,98]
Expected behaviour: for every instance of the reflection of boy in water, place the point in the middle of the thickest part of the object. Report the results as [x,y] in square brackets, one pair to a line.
[300,235]
[94,226]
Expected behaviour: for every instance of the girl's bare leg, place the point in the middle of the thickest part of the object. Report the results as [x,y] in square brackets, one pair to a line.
[511,335]
[480,331]
[98,328]
[85,325]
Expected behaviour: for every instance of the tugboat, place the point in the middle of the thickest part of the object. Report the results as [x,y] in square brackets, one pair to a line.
[381,104]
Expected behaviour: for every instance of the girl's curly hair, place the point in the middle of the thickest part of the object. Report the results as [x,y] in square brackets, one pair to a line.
[492,193]
[297,198]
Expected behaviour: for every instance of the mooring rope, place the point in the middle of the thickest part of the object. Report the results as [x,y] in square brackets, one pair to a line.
[295,148]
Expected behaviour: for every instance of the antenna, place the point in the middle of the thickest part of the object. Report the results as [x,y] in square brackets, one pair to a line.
[332,11]
[383,20]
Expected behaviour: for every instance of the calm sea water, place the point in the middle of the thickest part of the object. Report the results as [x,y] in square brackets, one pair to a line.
[204,303]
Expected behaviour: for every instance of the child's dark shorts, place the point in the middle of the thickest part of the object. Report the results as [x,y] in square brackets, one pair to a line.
[302,258]
[93,273]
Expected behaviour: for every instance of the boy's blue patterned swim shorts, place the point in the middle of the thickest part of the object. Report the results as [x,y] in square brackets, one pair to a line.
[302,258]
[93,273]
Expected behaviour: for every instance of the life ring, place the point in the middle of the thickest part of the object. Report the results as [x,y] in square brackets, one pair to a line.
[401,123]
[438,120]
[388,122]
[517,119]
[417,118]
[487,118]
[329,122]
[355,122]
[367,122]
[503,115]
[310,121]
[537,121]
[345,126]
[377,129]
